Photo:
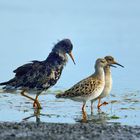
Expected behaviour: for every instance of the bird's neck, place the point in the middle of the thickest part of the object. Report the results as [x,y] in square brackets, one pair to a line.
[107,70]
[108,76]
[99,72]
[56,59]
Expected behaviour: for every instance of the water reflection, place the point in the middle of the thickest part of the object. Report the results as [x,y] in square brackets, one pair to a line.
[100,117]
[35,115]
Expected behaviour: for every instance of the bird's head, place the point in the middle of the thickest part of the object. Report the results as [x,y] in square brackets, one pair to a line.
[101,62]
[110,60]
[64,47]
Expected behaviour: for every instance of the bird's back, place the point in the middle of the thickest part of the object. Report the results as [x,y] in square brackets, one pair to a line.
[83,88]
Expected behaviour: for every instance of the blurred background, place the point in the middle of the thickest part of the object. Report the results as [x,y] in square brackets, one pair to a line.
[30,28]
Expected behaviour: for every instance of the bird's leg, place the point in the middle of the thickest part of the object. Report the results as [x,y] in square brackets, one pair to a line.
[83,108]
[91,107]
[84,113]
[23,94]
[99,103]
[36,100]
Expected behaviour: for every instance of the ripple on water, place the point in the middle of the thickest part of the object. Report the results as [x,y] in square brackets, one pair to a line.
[124,109]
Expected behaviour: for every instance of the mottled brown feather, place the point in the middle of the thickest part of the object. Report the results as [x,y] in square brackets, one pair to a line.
[82,88]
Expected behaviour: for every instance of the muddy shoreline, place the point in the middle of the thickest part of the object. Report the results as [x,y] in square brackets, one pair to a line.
[55,131]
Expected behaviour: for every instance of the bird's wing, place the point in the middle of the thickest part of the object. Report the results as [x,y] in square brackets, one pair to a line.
[82,88]
[22,70]
[21,74]
[37,75]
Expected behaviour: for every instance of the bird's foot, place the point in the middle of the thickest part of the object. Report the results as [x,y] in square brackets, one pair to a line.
[103,104]
[84,119]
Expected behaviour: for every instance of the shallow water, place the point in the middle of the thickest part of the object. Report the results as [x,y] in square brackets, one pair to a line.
[28,31]
[123,109]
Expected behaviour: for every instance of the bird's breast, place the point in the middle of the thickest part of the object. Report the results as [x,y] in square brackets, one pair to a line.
[52,78]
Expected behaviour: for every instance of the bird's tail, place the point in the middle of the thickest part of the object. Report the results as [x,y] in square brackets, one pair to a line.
[10,82]
[8,86]
[4,83]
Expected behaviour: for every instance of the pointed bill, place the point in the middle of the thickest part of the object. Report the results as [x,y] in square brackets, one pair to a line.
[112,66]
[119,64]
[71,56]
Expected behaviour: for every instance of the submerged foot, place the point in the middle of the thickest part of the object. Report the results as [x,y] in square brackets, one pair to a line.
[84,117]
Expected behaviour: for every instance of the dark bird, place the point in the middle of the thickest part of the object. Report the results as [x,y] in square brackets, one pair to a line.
[38,76]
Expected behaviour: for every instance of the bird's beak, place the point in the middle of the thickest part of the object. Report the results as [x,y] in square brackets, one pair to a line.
[112,66]
[71,56]
[118,64]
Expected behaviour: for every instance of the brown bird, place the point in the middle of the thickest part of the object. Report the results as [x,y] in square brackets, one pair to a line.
[108,81]
[89,88]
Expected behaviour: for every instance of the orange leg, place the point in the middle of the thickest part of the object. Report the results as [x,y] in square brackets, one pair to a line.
[36,100]
[99,103]
[38,104]
[84,113]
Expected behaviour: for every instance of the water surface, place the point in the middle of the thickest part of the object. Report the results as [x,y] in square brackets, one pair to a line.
[122,109]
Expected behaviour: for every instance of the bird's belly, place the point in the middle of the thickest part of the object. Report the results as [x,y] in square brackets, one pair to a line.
[96,93]
[80,99]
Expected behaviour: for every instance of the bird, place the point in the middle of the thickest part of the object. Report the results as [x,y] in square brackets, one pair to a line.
[108,81]
[89,88]
[38,76]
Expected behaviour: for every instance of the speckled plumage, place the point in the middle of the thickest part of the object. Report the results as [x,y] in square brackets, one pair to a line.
[89,88]
[41,75]
[83,89]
